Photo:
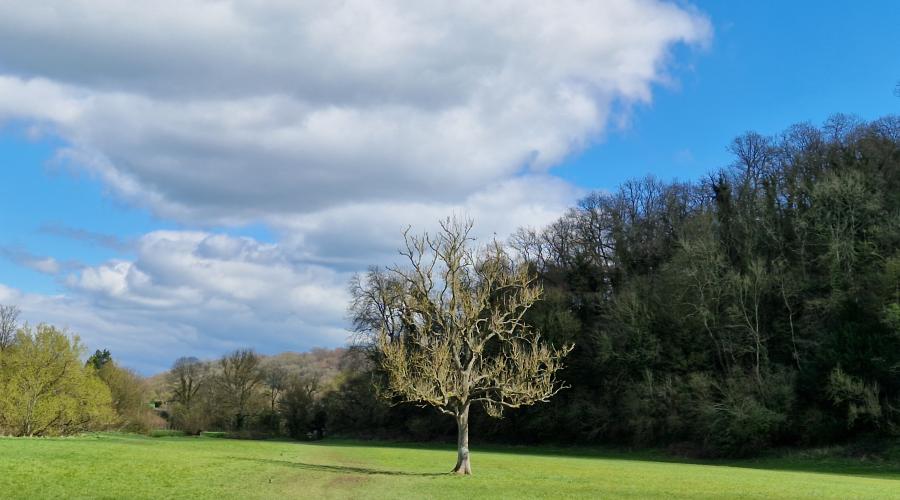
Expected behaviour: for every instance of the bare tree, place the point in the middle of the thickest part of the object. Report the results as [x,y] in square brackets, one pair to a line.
[298,407]
[9,323]
[276,381]
[239,378]
[464,338]
[373,307]
[187,379]
[750,290]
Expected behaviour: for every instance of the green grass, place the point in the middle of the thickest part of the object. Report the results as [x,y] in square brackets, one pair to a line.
[129,466]
[159,433]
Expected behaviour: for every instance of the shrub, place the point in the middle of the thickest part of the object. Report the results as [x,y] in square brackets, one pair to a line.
[858,399]
[746,416]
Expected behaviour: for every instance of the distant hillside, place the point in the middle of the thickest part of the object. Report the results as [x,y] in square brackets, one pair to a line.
[325,364]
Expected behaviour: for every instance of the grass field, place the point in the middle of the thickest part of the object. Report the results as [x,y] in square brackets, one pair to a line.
[117,466]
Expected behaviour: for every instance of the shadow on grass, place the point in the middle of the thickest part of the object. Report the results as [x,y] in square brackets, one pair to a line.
[782,461]
[340,469]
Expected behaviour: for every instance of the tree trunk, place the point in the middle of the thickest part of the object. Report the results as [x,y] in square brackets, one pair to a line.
[463,467]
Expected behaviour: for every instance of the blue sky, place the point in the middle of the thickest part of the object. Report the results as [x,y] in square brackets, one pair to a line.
[770,64]
[114,202]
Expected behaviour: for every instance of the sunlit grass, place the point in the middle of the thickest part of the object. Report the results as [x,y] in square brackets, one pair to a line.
[117,466]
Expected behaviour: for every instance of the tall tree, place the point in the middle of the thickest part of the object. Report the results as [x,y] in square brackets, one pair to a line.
[464,339]
[240,376]
[187,377]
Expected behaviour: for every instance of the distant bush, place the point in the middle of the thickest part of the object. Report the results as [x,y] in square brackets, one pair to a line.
[214,434]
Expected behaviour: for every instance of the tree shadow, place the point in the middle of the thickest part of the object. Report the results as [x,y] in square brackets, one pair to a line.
[777,460]
[340,469]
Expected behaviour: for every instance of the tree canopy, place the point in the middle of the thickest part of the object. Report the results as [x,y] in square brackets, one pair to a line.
[45,389]
[456,332]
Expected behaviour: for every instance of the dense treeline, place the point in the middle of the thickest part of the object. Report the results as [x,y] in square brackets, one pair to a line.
[757,307]
[249,395]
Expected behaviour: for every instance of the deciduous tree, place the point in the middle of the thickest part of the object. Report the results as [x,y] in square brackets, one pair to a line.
[238,381]
[464,339]
[45,389]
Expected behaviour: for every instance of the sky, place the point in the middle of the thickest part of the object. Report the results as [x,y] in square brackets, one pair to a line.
[191,177]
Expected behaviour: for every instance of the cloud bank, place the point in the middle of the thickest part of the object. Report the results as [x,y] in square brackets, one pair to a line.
[334,123]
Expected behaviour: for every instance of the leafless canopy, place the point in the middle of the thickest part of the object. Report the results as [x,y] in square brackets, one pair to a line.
[9,323]
[451,328]
[187,377]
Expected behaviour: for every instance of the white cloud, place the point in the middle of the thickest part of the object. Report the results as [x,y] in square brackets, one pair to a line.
[337,124]
[143,342]
[234,111]
[186,270]
[22,257]
[196,293]
[201,293]
[356,234]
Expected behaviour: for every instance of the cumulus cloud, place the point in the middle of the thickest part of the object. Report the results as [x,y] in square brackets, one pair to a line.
[202,293]
[336,124]
[359,233]
[190,269]
[234,111]
[191,292]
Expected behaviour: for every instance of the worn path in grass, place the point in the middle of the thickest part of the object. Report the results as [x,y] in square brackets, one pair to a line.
[128,466]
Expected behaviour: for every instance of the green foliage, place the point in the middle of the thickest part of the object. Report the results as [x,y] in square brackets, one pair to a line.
[744,418]
[355,408]
[716,313]
[756,308]
[861,400]
[129,397]
[45,389]
[99,359]
[300,411]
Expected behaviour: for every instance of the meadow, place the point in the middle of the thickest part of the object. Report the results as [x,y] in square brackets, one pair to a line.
[133,466]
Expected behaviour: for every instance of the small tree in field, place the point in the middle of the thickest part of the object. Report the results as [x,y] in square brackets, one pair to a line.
[462,339]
